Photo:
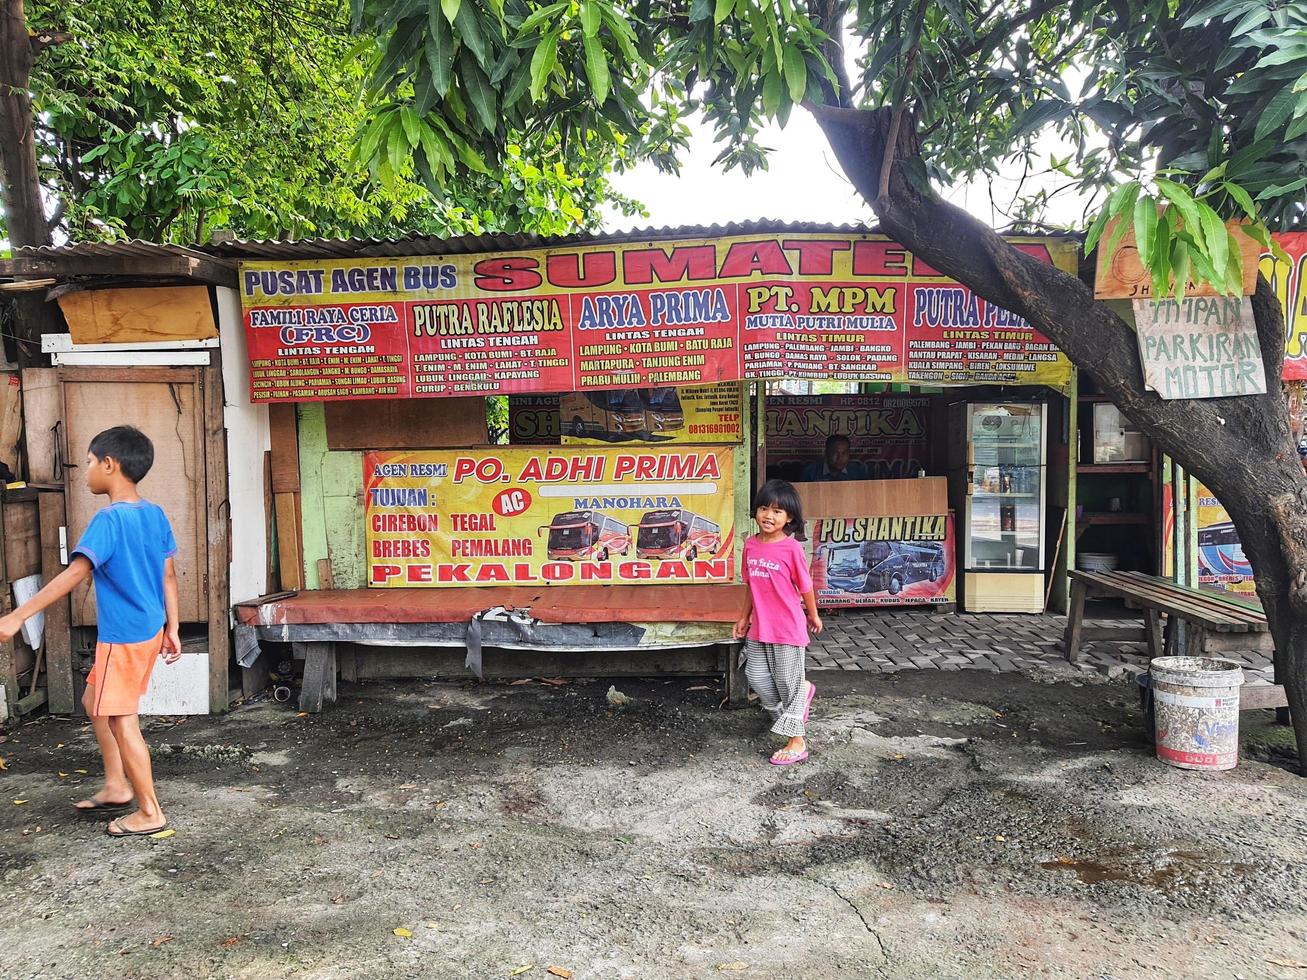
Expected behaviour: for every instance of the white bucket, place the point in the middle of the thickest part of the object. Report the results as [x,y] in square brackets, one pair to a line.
[1196,704]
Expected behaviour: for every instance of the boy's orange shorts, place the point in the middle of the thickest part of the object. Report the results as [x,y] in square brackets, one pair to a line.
[122,673]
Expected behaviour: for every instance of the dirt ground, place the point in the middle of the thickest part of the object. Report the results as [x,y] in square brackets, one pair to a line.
[947,825]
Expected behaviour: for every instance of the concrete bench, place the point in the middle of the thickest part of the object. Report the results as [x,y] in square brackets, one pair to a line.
[578,630]
[1214,623]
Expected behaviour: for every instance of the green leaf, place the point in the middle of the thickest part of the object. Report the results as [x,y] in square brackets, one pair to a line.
[1242,198]
[1212,174]
[1282,190]
[1180,266]
[538,18]
[439,50]
[1145,225]
[796,72]
[723,10]
[542,65]
[1214,234]
[396,147]
[596,67]
[1277,111]
[468,23]
[771,92]
[1183,201]
[412,125]
[450,9]
[590,18]
[479,92]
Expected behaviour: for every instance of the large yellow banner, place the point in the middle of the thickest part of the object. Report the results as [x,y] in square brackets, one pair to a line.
[550,517]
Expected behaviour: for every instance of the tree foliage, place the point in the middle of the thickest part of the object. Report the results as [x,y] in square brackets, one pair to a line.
[166,119]
[1212,93]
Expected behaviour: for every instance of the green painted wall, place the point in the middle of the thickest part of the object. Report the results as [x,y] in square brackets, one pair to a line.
[331,498]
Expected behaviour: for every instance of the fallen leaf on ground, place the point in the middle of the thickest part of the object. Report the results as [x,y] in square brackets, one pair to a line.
[19,802]
[2,763]
[161,940]
[392,837]
[1291,964]
[82,771]
[63,775]
[518,683]
[476,845]
[408,785]
[999,838]
[302,714]
[558,971]
[163,834]
[402,933]
[734,966]
[337,899]
[231,941]
[521,969]
[699,687]
[554,681]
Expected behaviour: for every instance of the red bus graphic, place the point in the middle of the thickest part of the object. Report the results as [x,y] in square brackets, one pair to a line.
[676,534]
[587,535]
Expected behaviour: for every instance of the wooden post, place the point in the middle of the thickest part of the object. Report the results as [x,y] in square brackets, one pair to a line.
[319,675]
[217,513]
[1075,620]
[737,685]
[60,675]
[1194,637]
[285,478]
[1153,629]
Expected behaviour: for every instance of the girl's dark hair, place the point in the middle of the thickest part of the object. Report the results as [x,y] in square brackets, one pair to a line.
[779,493]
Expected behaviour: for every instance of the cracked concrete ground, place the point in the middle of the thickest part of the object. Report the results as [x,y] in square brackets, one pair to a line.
[947,825]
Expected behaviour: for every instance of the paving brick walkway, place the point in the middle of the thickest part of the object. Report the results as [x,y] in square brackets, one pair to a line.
[890,640]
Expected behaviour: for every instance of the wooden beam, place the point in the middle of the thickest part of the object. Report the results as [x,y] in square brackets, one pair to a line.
[218,518]
[284,442]
[194,266]
[58,635]
[290,547]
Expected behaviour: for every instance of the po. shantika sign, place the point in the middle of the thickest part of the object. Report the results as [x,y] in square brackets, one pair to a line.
[631,315]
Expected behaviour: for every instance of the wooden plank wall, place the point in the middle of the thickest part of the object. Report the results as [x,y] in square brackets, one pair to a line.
[284,469]
[218,525]
[42,411]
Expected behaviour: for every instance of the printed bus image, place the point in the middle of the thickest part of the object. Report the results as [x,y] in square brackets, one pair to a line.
[603,413]
[676,534]
[883,566]
[587,535]
[662,410]
[1221,553]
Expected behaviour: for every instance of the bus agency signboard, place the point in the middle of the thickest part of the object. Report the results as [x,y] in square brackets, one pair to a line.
[549,517]
[631,315]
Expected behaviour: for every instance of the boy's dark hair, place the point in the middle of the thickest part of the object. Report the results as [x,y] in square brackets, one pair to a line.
[779,493]
[129,446]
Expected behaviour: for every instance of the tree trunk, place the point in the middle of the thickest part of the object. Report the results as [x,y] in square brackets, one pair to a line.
[25,217]
[1239,447]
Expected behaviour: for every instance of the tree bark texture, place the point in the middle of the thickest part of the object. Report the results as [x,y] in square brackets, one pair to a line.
[25,217]
[1240,448]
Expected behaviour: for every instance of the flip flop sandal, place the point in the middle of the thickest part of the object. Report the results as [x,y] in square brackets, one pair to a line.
[807,706]
[101,806]
[133,833]
[784,758]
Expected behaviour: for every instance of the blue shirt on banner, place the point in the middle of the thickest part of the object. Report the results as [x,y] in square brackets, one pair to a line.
[127,543]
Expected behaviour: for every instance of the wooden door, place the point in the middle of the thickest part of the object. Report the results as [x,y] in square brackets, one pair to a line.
[167,405]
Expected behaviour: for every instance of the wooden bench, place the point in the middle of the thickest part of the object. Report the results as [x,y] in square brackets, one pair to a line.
[580,630]
[1207,616]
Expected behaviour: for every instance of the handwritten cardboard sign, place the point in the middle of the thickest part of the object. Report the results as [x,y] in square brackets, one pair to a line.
[1120,274]
[1200,347]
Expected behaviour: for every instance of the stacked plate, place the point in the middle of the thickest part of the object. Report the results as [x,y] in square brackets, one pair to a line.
[1094,561]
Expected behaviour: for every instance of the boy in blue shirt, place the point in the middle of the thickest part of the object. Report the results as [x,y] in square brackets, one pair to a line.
[128,548]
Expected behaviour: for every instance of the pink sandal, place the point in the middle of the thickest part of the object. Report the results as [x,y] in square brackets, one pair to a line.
[807,707]
[784,757]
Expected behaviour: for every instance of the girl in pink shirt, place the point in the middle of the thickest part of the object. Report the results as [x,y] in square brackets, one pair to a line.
[780,607]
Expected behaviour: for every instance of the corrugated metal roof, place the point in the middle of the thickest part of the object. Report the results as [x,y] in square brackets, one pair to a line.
[309,248]
[317,248]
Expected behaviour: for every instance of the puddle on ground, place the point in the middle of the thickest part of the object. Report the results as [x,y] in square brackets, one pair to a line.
[1171,869]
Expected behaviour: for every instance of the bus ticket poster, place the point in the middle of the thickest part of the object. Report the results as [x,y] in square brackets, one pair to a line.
[697,414]
[883,561]
[887,434]
[631,316]
[520,516]
[1221,562]
[1289,281]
